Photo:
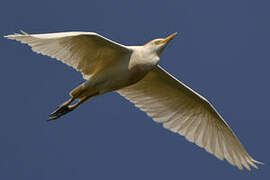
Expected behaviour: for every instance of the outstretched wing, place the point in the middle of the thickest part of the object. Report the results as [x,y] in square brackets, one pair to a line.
[87,52]
[182,110]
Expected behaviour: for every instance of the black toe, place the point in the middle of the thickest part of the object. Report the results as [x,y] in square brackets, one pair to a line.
[59,112]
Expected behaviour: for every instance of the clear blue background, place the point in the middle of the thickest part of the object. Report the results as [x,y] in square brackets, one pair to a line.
[223,54]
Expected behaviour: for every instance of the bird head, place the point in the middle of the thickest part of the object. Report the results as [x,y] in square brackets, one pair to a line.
[158,45]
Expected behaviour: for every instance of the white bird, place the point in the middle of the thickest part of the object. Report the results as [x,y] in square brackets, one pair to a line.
[134,73]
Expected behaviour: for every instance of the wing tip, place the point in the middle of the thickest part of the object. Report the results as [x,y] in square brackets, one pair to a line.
[16,35]
[258,162]
[11,36]
[252,162]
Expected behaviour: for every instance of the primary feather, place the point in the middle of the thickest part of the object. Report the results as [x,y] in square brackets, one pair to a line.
[184,111]
[86,52]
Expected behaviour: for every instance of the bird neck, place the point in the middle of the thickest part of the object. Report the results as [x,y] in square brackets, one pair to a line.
[144,57]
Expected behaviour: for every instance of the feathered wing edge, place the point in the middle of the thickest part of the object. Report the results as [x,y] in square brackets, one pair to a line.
[184,111]
[86,52]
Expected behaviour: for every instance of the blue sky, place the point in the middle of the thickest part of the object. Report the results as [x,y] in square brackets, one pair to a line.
[223,53]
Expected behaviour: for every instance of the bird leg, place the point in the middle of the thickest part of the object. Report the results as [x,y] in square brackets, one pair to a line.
[66,107]
[61,110]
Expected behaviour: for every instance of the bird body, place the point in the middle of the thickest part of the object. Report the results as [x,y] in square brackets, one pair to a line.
[127,70]
[134,73]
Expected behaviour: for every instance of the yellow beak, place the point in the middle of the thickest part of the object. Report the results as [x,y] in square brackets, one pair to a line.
[169,38]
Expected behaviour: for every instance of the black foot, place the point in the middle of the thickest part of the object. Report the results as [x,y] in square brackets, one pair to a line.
[62,110]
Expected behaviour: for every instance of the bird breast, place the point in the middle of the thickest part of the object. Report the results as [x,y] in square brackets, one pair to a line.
[140,63]
[137,73]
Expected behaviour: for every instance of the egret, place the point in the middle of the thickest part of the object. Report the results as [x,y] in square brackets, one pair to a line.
[134,73]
